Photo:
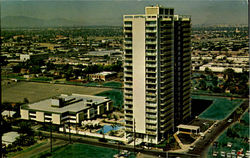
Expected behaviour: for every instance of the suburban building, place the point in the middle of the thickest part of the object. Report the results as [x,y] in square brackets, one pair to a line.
[9,138]
[67,108]
[156,46]
[102,76]
[8,113]
[25,57]
[221,67]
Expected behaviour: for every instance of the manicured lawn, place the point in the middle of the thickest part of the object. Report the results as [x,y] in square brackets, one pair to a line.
[13,76]
[115,95]
[92,84]
[82,150]
[41,79]
[113,84]
[220,108]
[27,149]
[245,118]
[110,84]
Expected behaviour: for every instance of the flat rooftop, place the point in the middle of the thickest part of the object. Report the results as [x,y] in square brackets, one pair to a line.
[10,137]
[78,104]
[104,73]
[190,127]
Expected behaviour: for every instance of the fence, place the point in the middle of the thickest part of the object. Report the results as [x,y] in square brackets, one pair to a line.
[97,135]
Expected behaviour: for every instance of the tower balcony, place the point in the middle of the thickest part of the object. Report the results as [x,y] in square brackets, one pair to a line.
[151,105]
[151,110]
[151,116]
[151,42]
[151,121]
[127,25]
[151,31]
[151,65]
[129,118]
[128,97]
[151,54]
[151,127]
[129,129]
[151,99]
[127,31]
[128,64]
[127,42]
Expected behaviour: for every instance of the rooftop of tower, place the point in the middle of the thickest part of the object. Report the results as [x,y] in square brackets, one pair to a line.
[157,11]
[160,10]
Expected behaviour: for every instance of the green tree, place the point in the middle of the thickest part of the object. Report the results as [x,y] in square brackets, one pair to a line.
[25,128]
[116,117]
[238,112]
[215,81]
[202,84]
[34,69]
[25,100]
[229,74]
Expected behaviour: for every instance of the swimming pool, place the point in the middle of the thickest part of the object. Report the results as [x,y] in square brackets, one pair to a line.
[107,128]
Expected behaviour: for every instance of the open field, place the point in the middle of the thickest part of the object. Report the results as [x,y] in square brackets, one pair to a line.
[220,108]
[37,91]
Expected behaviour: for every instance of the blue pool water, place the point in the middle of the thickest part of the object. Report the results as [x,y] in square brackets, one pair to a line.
[107,128]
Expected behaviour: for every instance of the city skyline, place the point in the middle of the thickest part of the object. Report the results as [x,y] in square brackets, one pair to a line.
[109,12]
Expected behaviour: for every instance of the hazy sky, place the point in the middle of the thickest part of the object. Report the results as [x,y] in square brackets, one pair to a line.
[109,12]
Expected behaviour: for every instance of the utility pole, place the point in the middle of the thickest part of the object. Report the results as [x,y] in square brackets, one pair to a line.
[1,121]
[69,133]
[134,137]
[76,127]
[50,136]
[1,145]
[118,143]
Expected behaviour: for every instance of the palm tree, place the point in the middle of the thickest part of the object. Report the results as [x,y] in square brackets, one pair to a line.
[113,125]
[229,74]
[239,111]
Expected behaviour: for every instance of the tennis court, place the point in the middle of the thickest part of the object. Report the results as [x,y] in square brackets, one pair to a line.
[220,108]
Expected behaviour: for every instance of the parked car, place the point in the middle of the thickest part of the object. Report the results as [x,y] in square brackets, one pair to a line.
[222,154]
[215,154]
[229,155]
[229,144]
[191,147]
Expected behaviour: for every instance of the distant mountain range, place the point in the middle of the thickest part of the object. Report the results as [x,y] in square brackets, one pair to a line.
[24,21]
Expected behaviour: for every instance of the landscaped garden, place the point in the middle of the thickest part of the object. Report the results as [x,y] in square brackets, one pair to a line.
[220,108]
[186,138]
